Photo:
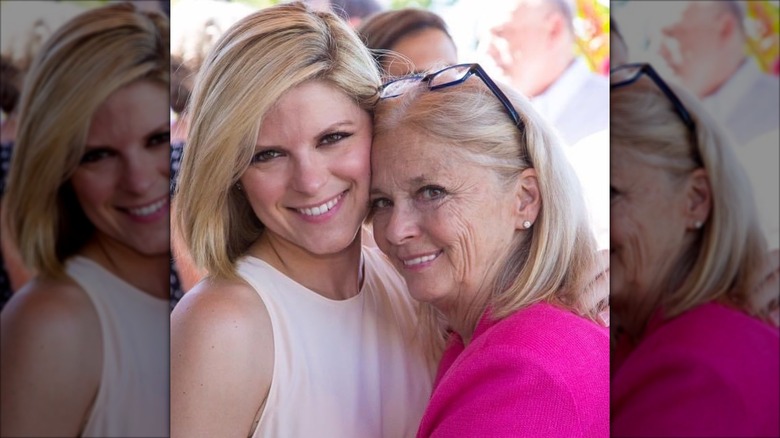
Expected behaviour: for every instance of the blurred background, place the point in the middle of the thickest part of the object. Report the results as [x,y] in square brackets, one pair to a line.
[642,23]
[468,20]
[727,53]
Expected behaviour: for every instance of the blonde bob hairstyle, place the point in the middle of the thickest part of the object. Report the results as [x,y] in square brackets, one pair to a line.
[77,69]
[721,262]
[552,261]
[255,62]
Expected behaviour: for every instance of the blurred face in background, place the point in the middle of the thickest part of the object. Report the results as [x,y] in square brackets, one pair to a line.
[692,45]
[426,49]
[122,182]
[519,44]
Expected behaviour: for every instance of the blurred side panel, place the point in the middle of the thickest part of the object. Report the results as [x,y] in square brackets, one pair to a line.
[694,131]
[84,339]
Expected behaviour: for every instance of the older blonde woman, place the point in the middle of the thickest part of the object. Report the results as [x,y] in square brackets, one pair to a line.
[84,345]
[475,204]
[298,330]
[695,354]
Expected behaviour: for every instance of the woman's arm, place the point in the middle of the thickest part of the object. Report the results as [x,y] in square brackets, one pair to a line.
[221,360]
[51,357]
[504,395]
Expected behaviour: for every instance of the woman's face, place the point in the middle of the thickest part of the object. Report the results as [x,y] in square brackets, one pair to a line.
[444,222]
[122,182]
[648,223]
[308,181]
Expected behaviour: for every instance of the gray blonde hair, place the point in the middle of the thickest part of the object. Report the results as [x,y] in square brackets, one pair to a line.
[75,71]
[255,62]
[723,260]
[553,260]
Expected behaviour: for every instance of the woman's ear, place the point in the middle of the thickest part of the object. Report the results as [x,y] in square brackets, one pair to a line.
[527,199]
[699,198]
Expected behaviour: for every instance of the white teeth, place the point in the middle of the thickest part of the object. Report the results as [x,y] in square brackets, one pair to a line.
[149,209]
[418,260]
[322,209]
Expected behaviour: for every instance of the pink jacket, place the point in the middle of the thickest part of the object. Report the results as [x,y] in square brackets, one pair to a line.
[712,371]
[541,372]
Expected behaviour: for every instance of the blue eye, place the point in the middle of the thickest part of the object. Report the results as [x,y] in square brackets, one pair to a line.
[266,155]
[95,155]
[380,203]
[432,193]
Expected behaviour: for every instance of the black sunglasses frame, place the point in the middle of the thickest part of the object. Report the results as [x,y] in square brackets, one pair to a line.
[473,69]
[649,71]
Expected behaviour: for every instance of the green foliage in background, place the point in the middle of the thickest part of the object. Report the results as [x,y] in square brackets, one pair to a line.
[260,4]
[398,4]
[394,4]
[424,4]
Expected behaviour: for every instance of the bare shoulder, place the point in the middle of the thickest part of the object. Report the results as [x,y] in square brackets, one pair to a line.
[221,359]
[51,354]
[221,309]
[50,308]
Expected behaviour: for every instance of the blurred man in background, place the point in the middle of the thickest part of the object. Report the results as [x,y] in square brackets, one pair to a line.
[533,43]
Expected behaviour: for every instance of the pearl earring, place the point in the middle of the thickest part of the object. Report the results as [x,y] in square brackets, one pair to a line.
[527,224]
[697,225]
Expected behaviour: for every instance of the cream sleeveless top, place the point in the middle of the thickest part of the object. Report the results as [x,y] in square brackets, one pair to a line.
[342,369]
[133,397]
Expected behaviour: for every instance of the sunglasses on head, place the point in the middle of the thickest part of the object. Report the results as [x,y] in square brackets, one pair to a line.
[448,77]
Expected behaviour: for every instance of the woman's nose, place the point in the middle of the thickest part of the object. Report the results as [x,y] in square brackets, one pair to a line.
[309,175]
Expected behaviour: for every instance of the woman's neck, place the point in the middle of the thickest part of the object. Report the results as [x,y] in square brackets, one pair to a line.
[150,274]
[465,315]
[334,276]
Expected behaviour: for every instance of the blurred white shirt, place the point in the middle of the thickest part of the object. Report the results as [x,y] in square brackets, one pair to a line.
[590,159]
[577,104]
[748,104]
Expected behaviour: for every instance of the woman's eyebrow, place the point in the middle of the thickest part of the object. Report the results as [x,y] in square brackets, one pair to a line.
[339,124]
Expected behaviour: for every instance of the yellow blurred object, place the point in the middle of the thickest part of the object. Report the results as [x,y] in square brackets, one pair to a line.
[591,25]
[763,30]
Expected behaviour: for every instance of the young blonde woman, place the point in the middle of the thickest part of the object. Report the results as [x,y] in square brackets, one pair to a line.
[84,345]
[298,330]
